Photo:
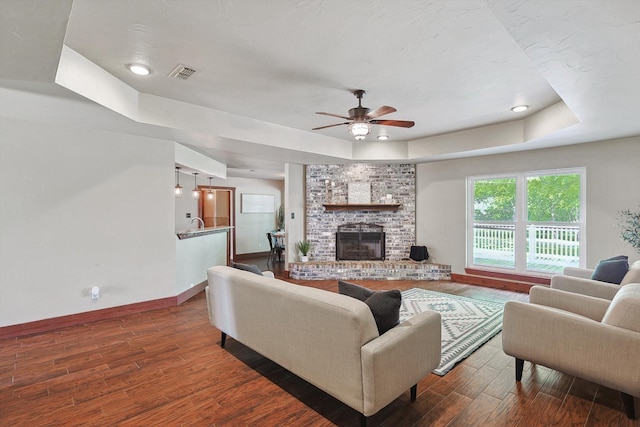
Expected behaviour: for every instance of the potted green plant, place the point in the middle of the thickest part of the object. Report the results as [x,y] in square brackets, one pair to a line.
[303,246]
[629,224]
[280,218]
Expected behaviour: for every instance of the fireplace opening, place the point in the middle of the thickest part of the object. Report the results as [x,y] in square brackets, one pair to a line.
[360,241]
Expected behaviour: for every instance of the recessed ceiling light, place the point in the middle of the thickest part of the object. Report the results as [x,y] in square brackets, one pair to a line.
[519,108]
[383,137]
[139,69]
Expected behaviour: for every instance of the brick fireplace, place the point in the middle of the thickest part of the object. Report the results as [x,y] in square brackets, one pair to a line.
[329,184]
[328,214]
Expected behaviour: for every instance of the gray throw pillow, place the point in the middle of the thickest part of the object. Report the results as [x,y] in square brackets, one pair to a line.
[247,267]
[384,305]
[611,270]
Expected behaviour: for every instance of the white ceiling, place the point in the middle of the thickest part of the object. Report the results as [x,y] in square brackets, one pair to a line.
[263,68]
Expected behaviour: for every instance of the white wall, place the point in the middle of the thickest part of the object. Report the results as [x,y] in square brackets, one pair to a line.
[613,184]
[294,204]
[195,255]
[82,208]
[251,228]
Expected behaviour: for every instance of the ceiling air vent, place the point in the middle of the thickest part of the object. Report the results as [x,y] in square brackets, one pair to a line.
[182,72]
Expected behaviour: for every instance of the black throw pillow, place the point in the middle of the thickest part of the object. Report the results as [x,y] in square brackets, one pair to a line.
[354,291]
[384,305]
[247,267]
[611,270]
[617,258]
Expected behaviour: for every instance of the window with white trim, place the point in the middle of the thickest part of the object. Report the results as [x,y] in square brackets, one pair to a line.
[530,222]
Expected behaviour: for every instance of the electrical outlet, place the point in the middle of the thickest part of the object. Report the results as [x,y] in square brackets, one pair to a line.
[188,215]
[293,215]
[95,293]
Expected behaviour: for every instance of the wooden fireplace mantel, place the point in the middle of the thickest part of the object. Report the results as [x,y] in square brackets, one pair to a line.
[361,207]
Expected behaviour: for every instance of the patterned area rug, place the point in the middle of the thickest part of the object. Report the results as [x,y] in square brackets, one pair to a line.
[466,323]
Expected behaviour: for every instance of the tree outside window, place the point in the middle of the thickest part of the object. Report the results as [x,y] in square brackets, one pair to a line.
[527,222]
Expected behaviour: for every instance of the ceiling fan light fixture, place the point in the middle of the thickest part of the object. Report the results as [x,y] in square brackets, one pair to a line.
[519,108]
[359,130]
[361,118]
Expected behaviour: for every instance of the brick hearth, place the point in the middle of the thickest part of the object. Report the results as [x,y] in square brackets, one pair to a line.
[368,270]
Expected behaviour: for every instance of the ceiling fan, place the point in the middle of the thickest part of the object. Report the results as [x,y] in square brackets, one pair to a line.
[361,118]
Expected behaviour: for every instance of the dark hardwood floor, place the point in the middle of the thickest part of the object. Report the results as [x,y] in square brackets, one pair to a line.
[165,367]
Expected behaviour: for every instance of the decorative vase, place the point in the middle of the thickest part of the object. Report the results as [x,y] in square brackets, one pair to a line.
[304,258]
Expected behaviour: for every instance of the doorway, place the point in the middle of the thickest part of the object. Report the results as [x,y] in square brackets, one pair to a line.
[216,208]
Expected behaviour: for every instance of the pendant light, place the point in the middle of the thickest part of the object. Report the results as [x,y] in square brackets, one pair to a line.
[210,193]
[195,192]
[178,188]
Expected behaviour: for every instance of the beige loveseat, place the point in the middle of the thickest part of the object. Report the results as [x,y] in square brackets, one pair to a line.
[328,339]
[591,338]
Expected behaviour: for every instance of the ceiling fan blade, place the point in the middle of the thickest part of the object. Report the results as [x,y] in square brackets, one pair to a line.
[335,115]
[398,123]
[385,109]
[330,126]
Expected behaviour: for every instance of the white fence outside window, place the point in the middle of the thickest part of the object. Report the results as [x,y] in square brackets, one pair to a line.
[549,248]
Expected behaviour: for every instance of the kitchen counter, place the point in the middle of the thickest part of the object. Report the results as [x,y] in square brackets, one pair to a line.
[188,234]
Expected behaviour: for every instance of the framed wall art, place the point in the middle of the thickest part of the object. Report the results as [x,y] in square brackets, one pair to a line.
[359,193]
[257,203]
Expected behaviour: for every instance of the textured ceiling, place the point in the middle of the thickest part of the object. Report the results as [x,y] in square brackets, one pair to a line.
[264,67]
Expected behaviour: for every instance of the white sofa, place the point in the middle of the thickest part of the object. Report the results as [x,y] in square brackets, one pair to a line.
[328,339]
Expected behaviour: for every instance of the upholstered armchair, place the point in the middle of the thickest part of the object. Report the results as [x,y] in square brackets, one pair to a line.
[591,338]
[578,280]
